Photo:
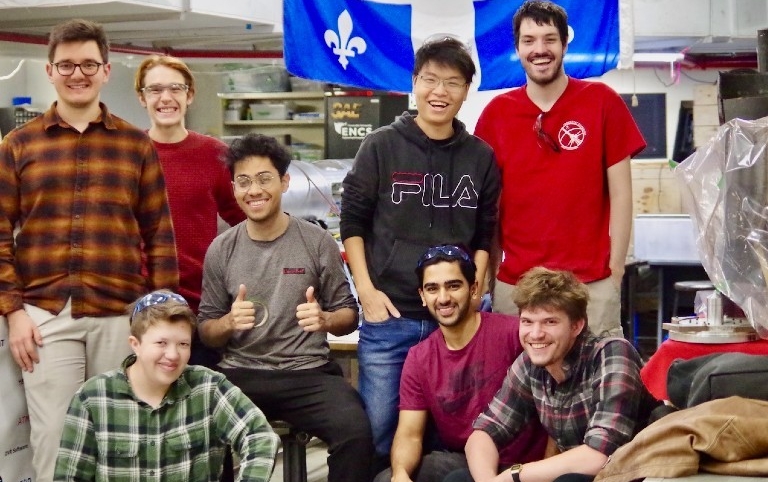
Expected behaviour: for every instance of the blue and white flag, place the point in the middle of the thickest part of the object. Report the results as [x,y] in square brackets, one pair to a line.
[371,43]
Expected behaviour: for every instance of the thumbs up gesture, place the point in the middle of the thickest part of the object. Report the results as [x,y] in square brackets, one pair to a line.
[242,314]
[310,315]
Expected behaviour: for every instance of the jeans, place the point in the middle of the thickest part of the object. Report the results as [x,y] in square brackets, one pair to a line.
[381,354]
[433,467]
[320,402]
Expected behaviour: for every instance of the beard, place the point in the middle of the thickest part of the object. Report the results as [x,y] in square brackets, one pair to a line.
[543,80]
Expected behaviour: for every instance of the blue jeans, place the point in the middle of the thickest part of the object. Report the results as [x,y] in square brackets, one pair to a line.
[381,354]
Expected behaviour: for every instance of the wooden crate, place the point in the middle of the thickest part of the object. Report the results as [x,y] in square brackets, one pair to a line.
[654,189]
[705,94]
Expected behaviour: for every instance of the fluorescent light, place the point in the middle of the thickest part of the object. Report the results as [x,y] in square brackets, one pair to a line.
[657,57]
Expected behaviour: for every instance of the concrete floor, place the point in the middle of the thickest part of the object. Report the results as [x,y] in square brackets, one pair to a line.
[317,470]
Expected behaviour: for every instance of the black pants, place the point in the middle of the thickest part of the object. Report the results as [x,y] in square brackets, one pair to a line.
[318,401]
[463,475]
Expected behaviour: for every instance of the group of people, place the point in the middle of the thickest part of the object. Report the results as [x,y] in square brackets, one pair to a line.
[116,287]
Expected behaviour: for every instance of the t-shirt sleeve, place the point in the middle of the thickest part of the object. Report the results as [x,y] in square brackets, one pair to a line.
[411,387]
[622,136]
[215,301]
[335,292]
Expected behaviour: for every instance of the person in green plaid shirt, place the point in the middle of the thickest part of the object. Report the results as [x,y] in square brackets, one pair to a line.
[156,418]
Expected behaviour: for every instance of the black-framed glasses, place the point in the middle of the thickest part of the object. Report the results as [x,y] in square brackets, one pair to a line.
[89,67]
[448,250]
[451,85]
[156,90]
[542,135]
[156,299]
[243,182]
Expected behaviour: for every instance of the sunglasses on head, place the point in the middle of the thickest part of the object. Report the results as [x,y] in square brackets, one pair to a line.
[449,250]
[542,135]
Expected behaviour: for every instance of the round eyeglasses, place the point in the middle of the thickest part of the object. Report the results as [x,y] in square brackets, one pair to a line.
[243,182]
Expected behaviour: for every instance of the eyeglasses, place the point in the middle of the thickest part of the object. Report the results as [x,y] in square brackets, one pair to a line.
[243,183]
[432,82]
[89,67]
[156,90]
[156,299]
[449,250]
[543,136]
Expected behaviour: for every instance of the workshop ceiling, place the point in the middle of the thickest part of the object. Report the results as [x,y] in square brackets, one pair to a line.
[702,29]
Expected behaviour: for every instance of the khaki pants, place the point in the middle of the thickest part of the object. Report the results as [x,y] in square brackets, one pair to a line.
[72,351]
[603,310]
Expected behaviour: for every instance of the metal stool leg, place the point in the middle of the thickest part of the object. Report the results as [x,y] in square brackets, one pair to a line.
[295,456]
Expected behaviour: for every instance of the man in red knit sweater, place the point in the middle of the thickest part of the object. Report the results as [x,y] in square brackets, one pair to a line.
[198,184]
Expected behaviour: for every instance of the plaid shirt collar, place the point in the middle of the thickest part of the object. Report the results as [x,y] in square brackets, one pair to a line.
[179,390]
[51,118]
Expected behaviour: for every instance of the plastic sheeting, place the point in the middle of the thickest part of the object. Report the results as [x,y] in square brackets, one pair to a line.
[724,186]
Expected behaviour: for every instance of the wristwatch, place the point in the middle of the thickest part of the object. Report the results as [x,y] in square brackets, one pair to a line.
[514,471]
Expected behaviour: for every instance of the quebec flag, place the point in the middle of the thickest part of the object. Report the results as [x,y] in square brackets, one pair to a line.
[371,43]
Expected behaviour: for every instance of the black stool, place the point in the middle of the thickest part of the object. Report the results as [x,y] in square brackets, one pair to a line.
[294,450]
[689,287]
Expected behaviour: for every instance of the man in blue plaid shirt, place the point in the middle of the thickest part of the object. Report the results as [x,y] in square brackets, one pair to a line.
[156,418]
[585,390]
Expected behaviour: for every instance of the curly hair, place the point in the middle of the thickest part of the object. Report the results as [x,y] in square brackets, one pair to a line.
[257,145]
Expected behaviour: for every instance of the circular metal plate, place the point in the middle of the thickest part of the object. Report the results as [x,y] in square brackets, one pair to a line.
[712,337]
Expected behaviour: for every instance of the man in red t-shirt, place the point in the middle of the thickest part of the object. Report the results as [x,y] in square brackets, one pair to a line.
[452,375]
[563,147]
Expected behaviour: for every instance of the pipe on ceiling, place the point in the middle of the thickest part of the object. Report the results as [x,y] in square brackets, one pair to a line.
[136,50]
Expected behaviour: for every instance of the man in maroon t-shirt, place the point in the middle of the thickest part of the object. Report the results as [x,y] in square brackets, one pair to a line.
[452,375]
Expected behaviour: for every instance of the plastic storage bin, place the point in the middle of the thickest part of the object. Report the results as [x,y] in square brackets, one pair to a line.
[249,78]
[262,111]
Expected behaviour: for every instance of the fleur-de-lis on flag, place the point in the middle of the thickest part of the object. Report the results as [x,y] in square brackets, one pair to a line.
[343,45]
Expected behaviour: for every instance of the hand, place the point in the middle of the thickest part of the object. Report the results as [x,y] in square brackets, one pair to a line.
[617,275]
[24,337]
[310,314]
[377,306]
[243,313]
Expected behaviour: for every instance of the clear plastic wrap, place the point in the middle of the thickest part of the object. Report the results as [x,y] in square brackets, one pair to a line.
[724,186]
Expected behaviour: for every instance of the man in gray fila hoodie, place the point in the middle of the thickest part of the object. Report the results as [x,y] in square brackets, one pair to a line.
[419,182]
